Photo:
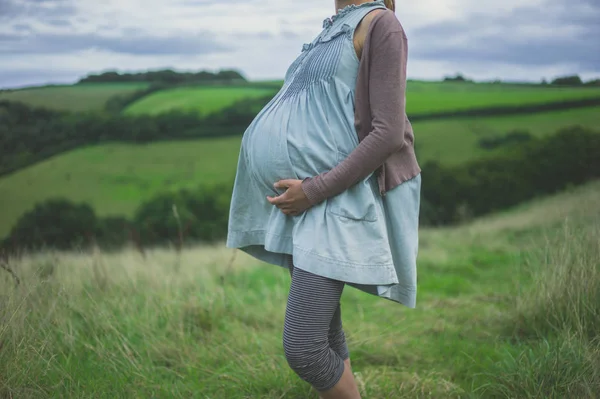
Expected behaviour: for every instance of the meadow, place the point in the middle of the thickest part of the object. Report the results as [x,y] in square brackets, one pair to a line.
[432,97]
[507,303]
[204,100]
[116,178]
[79,97]
[505,310]
[423,97]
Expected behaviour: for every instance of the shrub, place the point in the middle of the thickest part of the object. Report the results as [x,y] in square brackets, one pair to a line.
[513,137]
[55,223]
[165,76]
[537,167]
[112,232]
[457,78]
[200,214]
[573,80]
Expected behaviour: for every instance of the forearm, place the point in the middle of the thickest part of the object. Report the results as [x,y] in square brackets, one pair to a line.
[369,155]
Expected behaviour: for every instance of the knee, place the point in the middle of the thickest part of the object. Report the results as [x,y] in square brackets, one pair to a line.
[300,355]
[314,362]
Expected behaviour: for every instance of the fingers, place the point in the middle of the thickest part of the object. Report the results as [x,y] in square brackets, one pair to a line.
[290,212]
[283,204]
[279,200]
[284,183]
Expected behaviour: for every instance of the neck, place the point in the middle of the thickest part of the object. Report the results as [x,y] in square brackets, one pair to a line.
[339,4]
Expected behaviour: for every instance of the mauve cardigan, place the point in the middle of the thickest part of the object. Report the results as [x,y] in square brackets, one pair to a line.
[384,132]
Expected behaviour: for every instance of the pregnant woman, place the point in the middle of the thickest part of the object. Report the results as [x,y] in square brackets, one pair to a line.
[328,185]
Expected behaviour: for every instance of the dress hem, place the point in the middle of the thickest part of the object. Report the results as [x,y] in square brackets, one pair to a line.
[394,292]
[275,245]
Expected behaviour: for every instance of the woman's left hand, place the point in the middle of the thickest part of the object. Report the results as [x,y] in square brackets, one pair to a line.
[293,201]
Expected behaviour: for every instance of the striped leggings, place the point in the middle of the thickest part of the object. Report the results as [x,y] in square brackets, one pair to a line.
[313,339]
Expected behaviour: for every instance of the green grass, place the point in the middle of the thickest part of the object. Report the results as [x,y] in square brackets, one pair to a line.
[81,97]
[202,99]
[120,325]
[431,97]
[422,97]
[116,178]
[454,141]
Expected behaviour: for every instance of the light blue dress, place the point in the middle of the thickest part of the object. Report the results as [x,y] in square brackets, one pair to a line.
[358,236]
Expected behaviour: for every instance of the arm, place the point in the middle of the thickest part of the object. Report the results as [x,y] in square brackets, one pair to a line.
[387,88]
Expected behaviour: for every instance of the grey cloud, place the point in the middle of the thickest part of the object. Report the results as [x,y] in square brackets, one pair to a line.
[53,43]
[289,34]
[38,9]
[263,35]
[20,78]
[194,3]
[22,28]
[58,22]
[467,40]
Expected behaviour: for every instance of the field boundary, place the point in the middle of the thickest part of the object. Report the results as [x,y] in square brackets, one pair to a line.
[203,130]
[510,109]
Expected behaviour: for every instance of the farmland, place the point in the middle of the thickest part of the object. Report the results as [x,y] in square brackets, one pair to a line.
[204,100]
[80,97]
[432,97]
[115,178]
[422,97]
[504,303]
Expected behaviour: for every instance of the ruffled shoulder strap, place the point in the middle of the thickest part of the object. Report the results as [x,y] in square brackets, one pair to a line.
[344,22]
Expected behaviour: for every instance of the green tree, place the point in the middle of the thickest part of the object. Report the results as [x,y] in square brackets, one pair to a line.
[56,223]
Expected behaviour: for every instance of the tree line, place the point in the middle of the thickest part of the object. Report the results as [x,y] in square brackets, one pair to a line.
[29,135]
[569,80]
[523,168]
[164,76]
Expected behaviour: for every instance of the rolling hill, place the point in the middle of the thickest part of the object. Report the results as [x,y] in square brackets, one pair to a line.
[202,99]
[79,97]
[115,178]
[422,97]
[495,318]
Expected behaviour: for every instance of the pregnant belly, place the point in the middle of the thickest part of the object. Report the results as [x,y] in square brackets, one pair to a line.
[293,141]
[265,144]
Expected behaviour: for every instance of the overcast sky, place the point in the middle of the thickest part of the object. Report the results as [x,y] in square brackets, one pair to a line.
[56,41]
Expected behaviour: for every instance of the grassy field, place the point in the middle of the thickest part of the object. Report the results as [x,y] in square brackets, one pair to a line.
[422,97]
[507,308]
[455,141]
[81,97]
[116,178]
[431,97]
[202,99]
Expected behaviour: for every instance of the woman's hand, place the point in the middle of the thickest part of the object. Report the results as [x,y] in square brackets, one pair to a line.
[293,201]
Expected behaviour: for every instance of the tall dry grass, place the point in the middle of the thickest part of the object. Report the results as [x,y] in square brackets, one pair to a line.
[556,322]
[197,322]
[565,295]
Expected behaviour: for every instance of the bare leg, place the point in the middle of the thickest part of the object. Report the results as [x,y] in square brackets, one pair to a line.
[345,388]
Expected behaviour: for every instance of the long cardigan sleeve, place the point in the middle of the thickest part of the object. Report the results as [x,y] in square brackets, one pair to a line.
[387,58]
